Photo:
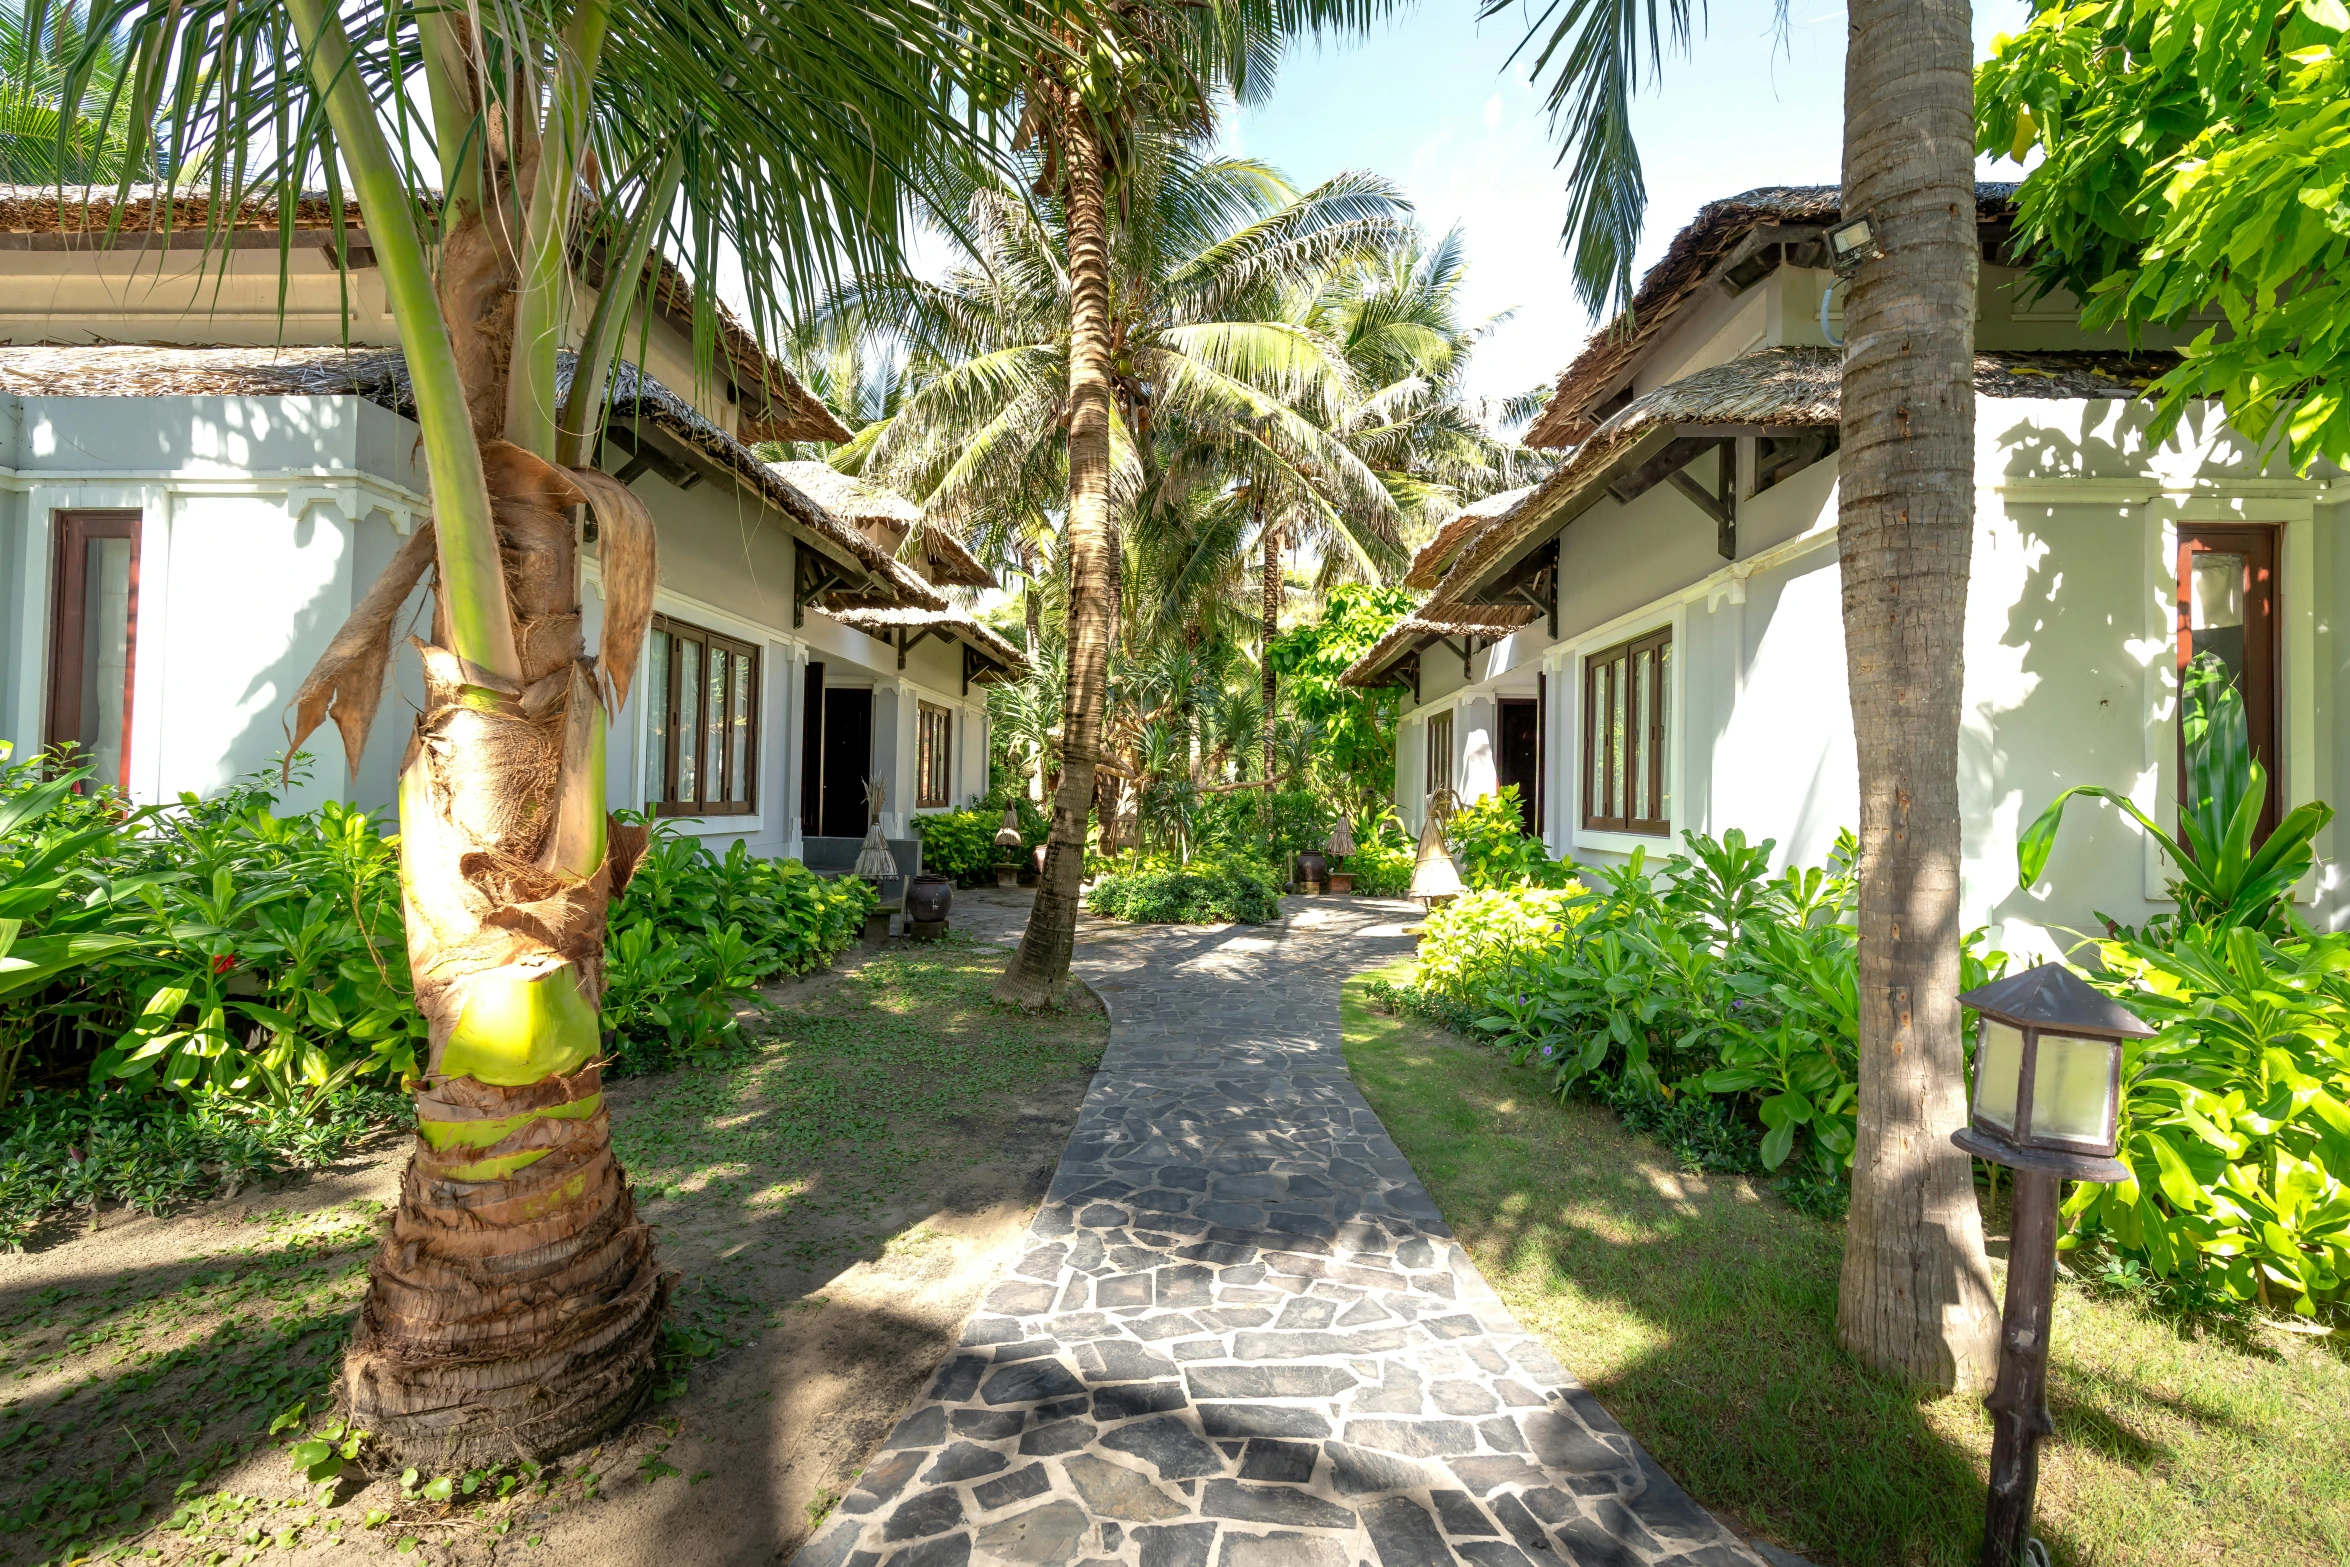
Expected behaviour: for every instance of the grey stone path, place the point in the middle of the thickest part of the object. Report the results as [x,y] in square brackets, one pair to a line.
[1240,1334]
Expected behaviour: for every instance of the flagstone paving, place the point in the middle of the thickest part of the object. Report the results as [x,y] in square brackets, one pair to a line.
[1240,1334]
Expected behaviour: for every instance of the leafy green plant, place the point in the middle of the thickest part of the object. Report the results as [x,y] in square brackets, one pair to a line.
[695,935]
[2224,877]
[1382,861]
[1473,938]
[1705,997]
[961,844]
[1489,835]
[1210,890]
[2236,1116]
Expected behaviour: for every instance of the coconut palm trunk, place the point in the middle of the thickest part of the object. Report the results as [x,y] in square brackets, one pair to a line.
[1270,585]
[1041,966]
[1915,1296]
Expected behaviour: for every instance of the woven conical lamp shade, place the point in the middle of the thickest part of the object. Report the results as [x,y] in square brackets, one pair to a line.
[1433,875]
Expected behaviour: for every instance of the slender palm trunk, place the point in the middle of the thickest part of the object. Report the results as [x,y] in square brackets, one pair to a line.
[1041,966]
[1915,1297]
[1270,583]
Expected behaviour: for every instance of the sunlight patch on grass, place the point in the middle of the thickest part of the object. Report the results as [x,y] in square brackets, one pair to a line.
[1701,1311]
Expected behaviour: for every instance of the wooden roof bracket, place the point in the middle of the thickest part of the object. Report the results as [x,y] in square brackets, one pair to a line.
[1721,503]
[971,656]
[905,642]
[1409,667]
[644,457]
[813,576]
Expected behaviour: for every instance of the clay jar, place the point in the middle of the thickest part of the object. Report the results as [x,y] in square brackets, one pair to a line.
[928,898]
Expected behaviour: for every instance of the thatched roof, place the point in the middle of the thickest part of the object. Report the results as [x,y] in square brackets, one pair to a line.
[887,518]
[380,375]
[1720,227]
[890,622]
[1428,561]
[1432,623]
[1790,388]
[772,403]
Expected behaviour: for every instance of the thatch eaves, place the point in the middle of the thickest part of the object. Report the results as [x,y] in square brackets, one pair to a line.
[901,626]
[1429,560]
[771,402]
[1432,622]
[380,375]
[1786,388]
[1712,242]
[887,518]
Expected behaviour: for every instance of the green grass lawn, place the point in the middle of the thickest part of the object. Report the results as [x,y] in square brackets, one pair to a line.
[1701,1311]
[131,1394]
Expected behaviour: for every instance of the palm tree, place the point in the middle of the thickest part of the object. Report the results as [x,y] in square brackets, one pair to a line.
[1131,72]
[1199,360]
[516,1304]
[45,139]
[1915,1296]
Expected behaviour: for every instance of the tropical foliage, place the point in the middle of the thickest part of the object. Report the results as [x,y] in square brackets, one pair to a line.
[2193,162]
[1210,890]
[214,985]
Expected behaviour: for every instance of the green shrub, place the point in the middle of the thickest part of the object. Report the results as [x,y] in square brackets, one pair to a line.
[961,844]
[228,977]
[1207,891]
[2236,1117]
[695,934]
[1469,941]
[1383,860]
[1496,851]
[1706,979]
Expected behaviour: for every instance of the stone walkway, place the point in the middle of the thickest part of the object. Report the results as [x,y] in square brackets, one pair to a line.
[1241,1335]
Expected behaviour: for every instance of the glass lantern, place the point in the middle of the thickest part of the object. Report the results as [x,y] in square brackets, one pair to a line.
[2048,1063]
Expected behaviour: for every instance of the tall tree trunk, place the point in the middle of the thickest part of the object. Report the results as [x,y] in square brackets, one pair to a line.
[1270,585]
[515,1307]
[1041,966]
[1915,1297]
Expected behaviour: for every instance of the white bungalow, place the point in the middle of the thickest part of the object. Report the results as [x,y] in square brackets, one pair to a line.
[188,511]
[1652,640]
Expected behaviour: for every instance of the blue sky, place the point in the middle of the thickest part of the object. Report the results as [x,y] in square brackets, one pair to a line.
[1427,102]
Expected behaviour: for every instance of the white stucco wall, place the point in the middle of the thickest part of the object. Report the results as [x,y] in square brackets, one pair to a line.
[2069,658]
[263,520]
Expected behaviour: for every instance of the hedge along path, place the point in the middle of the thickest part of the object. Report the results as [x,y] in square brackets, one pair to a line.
[1240,1333]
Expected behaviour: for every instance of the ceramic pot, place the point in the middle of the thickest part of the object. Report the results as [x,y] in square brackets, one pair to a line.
[927,899]
[1311,868]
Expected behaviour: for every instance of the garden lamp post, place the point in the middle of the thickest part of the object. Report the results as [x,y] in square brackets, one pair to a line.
[2047,1104]
[1007,838]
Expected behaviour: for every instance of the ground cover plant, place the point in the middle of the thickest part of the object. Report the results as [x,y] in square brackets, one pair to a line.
[178,1401]
[1209,890]
[1701,1313]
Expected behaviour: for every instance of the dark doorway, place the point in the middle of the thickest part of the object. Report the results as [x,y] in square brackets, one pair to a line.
[2227,609]
[1521,756]
[812,749]
[848,758]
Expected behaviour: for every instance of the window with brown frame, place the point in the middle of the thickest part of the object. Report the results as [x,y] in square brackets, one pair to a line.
[1439,755]
[2226,596]
[93,640]
[702,751]
[1625,738]
[935,754]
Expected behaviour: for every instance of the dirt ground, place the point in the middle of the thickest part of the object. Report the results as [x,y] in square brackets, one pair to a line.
[835,1196]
